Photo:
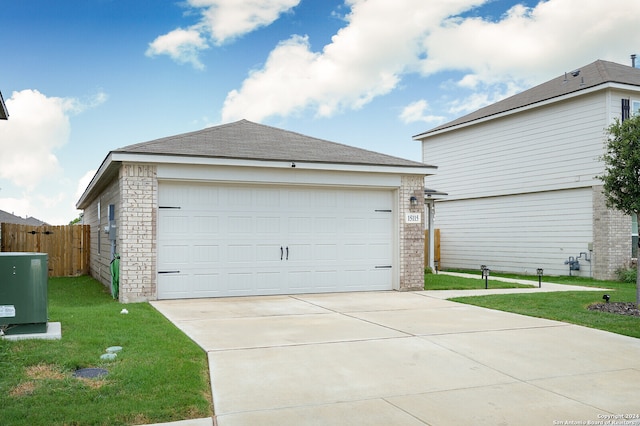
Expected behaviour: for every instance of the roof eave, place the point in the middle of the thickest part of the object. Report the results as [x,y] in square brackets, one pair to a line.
[603,86]
[250,162]
[106,168]
[113,160]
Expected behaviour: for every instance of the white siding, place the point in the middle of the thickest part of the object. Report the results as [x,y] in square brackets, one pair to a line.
[615,102]
[543,149]
[517,233]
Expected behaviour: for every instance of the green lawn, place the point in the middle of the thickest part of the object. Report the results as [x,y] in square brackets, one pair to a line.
[448,282]
[567,306]
[159,376]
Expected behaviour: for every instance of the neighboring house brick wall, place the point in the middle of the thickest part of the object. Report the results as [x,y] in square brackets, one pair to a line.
[137,232]
[611,238]
[411,235]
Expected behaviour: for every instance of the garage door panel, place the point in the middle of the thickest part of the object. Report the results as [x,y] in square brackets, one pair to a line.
[174,286]
[268,282]
[298,253]
[327,280]
[299,281]
[355,225]
[268,253]
[325,252]
[226,240]
[240,283]
[240,197]
[327,225]
[206,254]
[237,253]
[206,285]
[299,226]
[379,252]
[174,224]
[202,196]
[268,199]
[205,226]
[355,252]
[240,225]
[378,225]
[268,225]
[173,254]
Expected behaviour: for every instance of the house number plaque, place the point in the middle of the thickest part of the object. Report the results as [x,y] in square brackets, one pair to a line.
[413,218]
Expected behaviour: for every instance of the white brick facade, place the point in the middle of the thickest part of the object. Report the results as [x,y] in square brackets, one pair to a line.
[411,234]
[137,232]
[611,238]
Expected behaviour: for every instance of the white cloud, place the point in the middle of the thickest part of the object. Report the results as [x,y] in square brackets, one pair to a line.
[365,59]
[417,112]
[181,45]
[383,41]
[16,206]
[220,21]
[38,126]
[530,45]
[32,179]
[228,19]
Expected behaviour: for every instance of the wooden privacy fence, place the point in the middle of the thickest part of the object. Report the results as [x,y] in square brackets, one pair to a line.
[67,246]
[436,248]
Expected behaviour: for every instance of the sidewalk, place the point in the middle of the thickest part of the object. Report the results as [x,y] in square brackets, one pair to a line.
[545,288]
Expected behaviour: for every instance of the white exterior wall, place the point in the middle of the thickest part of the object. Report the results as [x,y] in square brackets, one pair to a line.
[520,187]
[517,233]
[543,149]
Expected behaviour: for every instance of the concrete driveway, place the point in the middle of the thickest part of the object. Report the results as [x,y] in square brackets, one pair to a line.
[391,358]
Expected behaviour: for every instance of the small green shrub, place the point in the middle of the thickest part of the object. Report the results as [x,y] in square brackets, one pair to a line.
[627,275]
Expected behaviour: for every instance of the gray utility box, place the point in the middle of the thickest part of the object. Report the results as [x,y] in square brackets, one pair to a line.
[23,293]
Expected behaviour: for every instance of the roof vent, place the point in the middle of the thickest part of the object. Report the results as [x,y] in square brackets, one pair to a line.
[575,73]
[633,60]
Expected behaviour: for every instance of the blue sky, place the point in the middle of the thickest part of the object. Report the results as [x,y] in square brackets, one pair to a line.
[83,77]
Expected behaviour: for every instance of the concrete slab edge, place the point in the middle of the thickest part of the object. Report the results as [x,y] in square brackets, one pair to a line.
[54,332]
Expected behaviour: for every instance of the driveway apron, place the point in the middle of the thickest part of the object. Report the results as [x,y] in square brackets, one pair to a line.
[393,358]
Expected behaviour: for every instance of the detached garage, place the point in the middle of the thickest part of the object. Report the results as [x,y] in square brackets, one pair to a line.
[247,209]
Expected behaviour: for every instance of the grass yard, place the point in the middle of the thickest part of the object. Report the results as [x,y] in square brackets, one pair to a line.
[159,376]
[448,282]
[568,306]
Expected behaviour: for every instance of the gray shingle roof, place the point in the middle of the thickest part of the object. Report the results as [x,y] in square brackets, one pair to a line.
[6,217]
[594,74]
[251,141]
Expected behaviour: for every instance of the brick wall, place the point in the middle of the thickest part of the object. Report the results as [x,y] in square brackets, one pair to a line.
[611,238]
[137,232]
[411,234]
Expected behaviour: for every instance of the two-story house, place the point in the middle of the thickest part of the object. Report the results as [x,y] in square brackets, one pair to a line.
[521,177]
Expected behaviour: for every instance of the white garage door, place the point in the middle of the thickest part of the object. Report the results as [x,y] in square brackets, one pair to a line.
[223,240]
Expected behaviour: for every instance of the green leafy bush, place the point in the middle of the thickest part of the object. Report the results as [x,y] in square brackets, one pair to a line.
[627,275]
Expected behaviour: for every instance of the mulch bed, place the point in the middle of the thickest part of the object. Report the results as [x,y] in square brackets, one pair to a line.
[621,308]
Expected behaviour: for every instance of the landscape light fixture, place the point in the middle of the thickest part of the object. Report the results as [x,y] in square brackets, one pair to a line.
[485,275]
[413,200]
[606,298]
[539,271]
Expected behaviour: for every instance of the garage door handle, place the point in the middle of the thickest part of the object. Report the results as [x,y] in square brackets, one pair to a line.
[281,252]
[287,253]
